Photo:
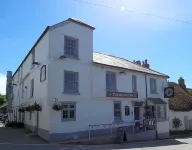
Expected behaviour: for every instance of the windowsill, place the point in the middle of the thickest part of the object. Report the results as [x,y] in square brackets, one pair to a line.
[110,90]
[70,57]
[153,93]
[68,120]
[71,93]
[135,91]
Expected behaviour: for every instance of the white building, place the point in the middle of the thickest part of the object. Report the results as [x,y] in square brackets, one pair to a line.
[93,88]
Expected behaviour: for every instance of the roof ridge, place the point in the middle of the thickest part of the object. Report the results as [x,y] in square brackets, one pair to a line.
[130,62]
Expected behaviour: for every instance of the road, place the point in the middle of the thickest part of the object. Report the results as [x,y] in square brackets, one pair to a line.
[184,144]
[16,139]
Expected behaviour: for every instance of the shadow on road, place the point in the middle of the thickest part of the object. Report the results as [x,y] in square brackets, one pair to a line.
[170,142]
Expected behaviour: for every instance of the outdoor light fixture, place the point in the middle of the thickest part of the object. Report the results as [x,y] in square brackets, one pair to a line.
[35,63]
[62,57]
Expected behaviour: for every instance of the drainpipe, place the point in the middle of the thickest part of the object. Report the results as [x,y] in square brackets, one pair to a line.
[146,89]
[146,95]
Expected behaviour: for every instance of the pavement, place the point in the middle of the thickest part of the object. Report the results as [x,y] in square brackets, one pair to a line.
[17,139]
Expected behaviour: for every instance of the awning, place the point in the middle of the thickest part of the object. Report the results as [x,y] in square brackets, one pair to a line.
[156,101]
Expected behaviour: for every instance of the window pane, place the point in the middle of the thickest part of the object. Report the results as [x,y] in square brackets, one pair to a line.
[71,81]
[71,46]
[72,106]
[65,114]
[65,106]
[127,111]
[72,113]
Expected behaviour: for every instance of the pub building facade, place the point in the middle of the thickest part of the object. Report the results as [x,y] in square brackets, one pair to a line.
[84,93]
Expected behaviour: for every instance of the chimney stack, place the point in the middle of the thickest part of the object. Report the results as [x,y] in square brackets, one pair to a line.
[181,83]
[138,62]
[145,64]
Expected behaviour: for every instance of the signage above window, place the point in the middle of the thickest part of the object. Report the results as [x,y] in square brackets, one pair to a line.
[121,94]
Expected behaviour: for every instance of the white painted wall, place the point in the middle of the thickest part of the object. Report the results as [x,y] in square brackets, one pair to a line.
[40,88]
[162,127]
[180,115]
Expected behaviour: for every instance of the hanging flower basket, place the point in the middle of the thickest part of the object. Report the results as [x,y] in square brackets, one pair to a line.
[57,106]
[29,108]
[36,107]
[21,109]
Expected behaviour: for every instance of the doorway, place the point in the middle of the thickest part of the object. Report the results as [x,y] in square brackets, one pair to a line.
[137,113]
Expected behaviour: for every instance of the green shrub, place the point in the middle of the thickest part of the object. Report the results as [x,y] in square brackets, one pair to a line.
[176,123]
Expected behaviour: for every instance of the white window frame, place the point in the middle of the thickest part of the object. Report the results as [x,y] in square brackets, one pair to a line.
[120,111]
[111,81]
[74,47]
[22,91]
[161,111]
[68,109]
[134,83]
[43,72]
[67,82]
[153,85]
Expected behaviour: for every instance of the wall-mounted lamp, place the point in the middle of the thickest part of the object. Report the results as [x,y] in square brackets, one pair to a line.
[62,57]
[35,63]
[26,87]
[122,72]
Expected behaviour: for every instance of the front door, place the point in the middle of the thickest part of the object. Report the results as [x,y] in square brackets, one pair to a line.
[117,111]
[137,113]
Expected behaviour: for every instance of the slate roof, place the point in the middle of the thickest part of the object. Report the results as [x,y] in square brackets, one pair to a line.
[182,100]
[113,61]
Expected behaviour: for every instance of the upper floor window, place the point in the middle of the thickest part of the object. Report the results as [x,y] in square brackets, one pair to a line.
[22,92]
[71,47]
[111,80]
[153,85]
[69,112]
[43,73]
[134,83]
[71,82]
[32,88]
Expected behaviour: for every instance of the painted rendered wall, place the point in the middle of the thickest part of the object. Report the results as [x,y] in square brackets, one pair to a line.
[40,88]
[180,115]
[84,67]
[92,106]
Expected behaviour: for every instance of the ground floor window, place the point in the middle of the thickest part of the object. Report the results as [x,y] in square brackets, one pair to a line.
[161,111]
[69,112]
[117,111]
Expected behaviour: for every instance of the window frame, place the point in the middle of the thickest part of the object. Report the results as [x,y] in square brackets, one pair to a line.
[134,83]
[77,82]
[22,90]
[77,47]
[155,85]
[108,87]
[68,112]
[127,107]
[32,88]
[119,119]
[159,111]
[43,67]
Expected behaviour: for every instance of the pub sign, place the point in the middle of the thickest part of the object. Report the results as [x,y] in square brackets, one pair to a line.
[121,94]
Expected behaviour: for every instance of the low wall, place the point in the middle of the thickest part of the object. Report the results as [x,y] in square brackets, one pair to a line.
[181,115]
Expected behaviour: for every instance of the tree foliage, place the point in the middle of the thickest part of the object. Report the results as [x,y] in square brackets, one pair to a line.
[2,99]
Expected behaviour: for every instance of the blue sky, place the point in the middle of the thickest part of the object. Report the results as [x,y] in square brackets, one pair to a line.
[166,44]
